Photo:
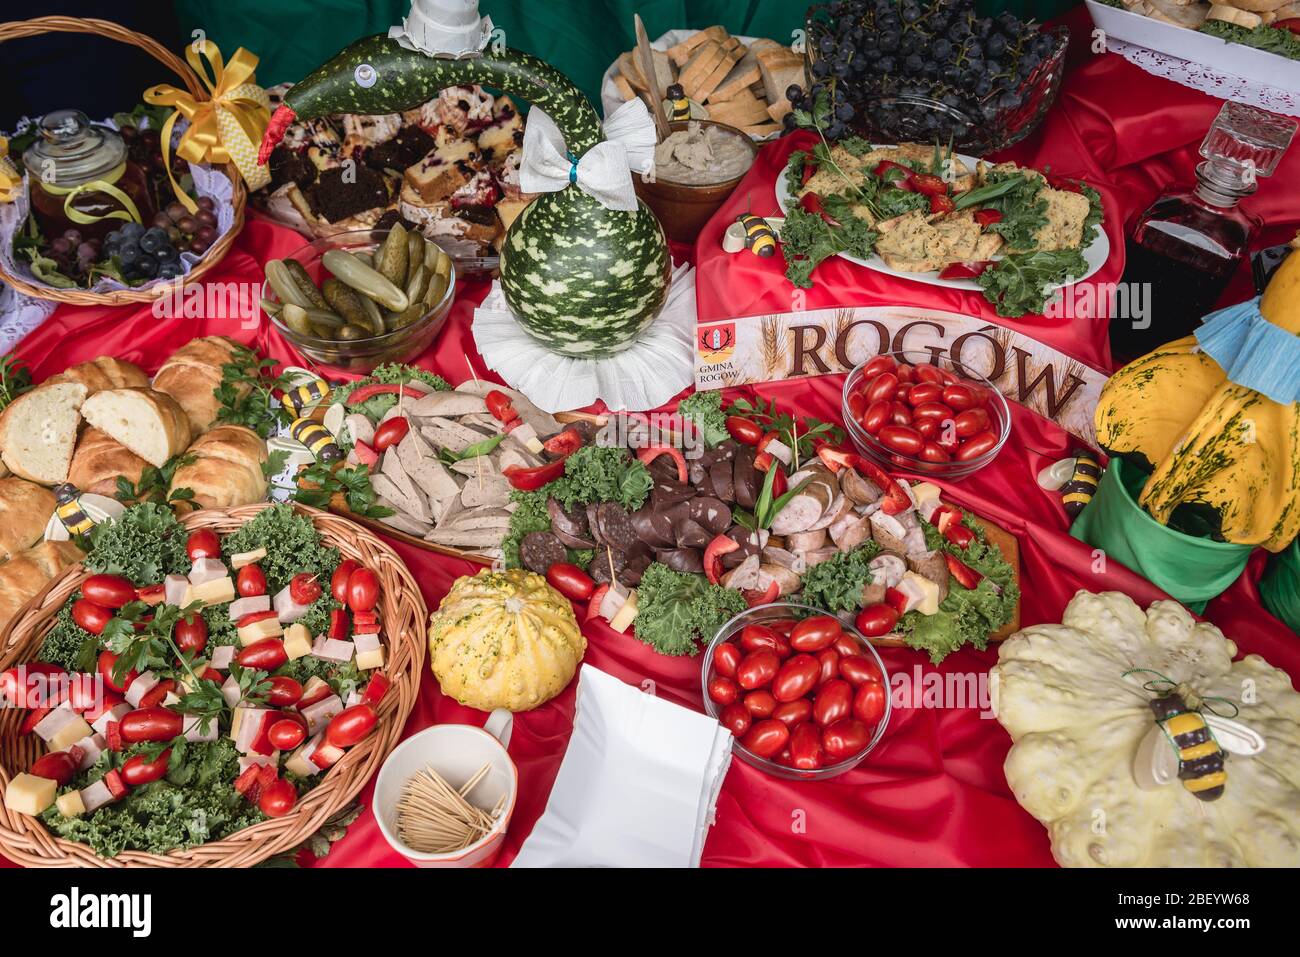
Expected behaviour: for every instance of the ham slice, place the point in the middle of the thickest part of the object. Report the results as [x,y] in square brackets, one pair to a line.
[205,570]
[247,606]
[94,796]
[318,715]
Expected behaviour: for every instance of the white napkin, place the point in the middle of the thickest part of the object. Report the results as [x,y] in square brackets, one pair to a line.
[645,375]
[604,171]
[638,784]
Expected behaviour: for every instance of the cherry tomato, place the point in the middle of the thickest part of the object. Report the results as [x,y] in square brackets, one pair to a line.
[829,659]
[900,413]
[758,637]
[743,430]
[264,655]
[304,588]
[878,413]
[972,422]
[857,669]
[191,634]
[847,645]
[878,365]
[203,544]
[108,591]
[925,372]
[726,657]
[931,411]
[286,735]
[58,766]
[876,620]
[150,724]
[90,617]
[934,452]
[798,676]
[959,397]
[158,693]
[363,590]
[498,404]
[806,752]
[844,739]
[757,669]
[139,770]
[929,428]
[339,580]
[924,392]
[570,581]
[794,713]
[947,439]
[761,703]
[906,374]
[350,725]
[882,386]
[766,738]
[250,581]
[107,660]
[277,799]
[284,691]
[858,405]
[723,690]
[815,633]
[390,432]
[901,438]
[976,446]
[869,703]
[834,700]
[736,719]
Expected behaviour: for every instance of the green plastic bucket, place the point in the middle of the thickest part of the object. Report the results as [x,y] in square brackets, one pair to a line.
[1280,586]
[1192,570]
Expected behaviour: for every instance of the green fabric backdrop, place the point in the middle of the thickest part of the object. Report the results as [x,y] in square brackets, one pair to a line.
[580,37]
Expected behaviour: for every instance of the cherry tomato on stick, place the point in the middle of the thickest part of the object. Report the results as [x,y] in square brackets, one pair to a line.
[108,591]
[202,543]
[250,581]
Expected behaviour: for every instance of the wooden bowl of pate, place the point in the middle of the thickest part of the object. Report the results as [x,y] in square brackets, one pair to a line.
[696,169]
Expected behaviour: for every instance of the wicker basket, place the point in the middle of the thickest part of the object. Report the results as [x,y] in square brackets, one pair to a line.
[120,297]
[25,839]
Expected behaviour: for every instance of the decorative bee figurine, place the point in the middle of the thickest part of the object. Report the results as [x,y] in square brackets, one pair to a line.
[679,107]
[68,508]
[1078,492]
[311,393]
[317,439]
[1200,759]
[760,238]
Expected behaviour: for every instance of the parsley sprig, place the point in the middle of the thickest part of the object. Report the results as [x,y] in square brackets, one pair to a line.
[15,379]
[154,483]
[800,435]
[246,393]
[352,482]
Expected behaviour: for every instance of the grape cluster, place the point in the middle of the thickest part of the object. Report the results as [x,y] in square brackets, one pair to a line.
[155,252]
[972,68]
[74,254]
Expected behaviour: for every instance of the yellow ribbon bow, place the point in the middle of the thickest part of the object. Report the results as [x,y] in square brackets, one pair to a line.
[11,182]
[227,127]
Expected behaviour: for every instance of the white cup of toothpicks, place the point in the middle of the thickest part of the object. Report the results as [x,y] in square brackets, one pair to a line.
[444,796]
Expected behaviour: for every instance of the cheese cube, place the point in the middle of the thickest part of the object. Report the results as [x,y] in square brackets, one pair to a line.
[28,794]
[300,762]
[256,631]
[70,734]
[215,592]
[71,805]
[297,641]
[925,495]
[929,593]
[368,660]
[621,621]
[55,721]
[240,559]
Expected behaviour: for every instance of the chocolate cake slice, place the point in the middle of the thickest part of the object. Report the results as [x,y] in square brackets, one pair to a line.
[405,149]
[334,198]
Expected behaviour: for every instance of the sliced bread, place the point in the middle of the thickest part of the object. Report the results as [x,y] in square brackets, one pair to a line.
[38,431]
[151,424]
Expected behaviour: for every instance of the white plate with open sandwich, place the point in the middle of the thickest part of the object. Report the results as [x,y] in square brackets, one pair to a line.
[1095,254]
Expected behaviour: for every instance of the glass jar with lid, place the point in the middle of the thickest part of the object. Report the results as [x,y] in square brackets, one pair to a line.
[81,178]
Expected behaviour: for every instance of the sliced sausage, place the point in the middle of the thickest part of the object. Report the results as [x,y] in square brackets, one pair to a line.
[692,535]
[787,581]
[840,507]
[857,488]
[887,570]
[663,469]
[654,527]
[593,525]
[744,576]
[714,514]
[720,477]
[803,510]
[667,494]
[569,527]
[689,560]
[806,541]
[745,478]
[615,526]
[850,531]
[540,550]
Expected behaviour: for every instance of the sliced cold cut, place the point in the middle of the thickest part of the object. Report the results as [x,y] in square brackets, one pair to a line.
[689,560]
[857,488]
[570,527]
[540,550]
[850,531]
[745,478]
[654,527]
[806,541]
[804,509]
[713,513]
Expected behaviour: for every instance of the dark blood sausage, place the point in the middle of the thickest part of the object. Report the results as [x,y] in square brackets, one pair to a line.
[667,494]
[634,569]
[714,514]
[593,525]
[663,469]
[720,477]
[692,535]
[682,560]
[749,546]
[540,550]
[746,479]
[654,527]
[569,527]
[599,568]
[614,526]
[628,566]
[697,471]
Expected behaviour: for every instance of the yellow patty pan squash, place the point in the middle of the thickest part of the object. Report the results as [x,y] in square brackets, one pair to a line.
[1224,460]
[504,640]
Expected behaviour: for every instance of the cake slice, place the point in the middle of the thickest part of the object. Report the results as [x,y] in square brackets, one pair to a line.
[504,135]
[443,170]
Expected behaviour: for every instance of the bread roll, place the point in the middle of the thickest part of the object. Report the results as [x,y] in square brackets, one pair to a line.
[102,373]
[226,471]
[38,431]
[25,508]
[28,572]
[151,424]
[99,460]
[191,375]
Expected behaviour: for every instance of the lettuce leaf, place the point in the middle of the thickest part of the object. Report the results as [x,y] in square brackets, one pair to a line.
[836,584]
[675,610]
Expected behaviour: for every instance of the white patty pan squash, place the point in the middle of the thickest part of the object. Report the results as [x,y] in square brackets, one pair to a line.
[504,640]
[1076,722]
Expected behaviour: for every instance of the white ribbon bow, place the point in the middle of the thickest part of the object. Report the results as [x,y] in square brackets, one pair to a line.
[605,171]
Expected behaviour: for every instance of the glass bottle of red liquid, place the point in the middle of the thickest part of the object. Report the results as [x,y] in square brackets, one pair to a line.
[1187,245]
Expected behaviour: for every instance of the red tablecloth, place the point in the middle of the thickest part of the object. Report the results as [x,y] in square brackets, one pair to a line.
[934,791]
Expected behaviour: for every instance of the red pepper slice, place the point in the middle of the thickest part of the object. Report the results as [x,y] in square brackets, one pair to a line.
[763,461]
[941,204]
[810,170]
[116,786]
[245,782]
[362,620]
[755,597]
[779,484]
[566,443]
[365,454]
[959,535]
[883,169]
[151,594]
[896,500]
[987,217]
[966,576]
[652,452]
[498,404]
[965,270]
[113,735]
[895,599]
[1068,185]
[530,480]
[713,553]
[593,604]
[1292,24]
[836,459]
[365,392]
[945,516]
[157,693]
[927,184]
[812,203]
[338,624]
[375,690]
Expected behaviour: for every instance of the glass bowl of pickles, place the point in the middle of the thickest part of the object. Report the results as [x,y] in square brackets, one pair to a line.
[359,299]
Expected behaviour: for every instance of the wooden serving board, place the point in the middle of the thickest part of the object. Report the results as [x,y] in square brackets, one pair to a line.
[1010,548]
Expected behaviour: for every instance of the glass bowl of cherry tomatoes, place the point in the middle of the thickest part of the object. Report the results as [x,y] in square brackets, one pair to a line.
[805,695]
[920,413]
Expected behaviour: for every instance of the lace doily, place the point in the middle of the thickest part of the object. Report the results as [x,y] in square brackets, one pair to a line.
[1198,76]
